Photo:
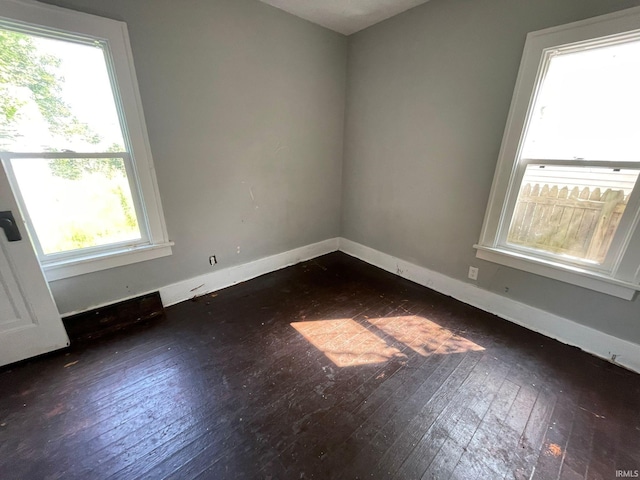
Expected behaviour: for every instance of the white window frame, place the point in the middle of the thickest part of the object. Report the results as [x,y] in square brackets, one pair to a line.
[619,275]
[46,20]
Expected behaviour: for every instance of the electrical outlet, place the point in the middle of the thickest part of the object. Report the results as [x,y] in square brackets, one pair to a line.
[473,273]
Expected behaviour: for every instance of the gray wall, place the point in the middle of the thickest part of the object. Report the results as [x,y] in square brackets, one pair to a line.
[427,100]
[240,99]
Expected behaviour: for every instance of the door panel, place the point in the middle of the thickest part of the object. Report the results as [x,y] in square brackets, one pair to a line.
[30,323]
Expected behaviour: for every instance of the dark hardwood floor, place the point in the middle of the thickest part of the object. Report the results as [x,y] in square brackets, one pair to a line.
[328,369]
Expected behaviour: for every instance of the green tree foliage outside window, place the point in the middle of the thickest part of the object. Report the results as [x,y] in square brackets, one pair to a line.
[22,65]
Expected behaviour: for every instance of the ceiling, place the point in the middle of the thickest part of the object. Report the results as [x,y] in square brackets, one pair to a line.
[344,16]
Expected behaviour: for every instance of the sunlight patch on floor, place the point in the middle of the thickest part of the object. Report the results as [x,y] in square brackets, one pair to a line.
[422,335]
[346,343]
[349,343]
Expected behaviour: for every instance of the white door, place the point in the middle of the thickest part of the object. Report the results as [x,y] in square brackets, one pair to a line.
[30,323]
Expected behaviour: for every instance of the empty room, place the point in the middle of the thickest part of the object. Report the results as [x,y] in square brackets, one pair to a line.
[284,239]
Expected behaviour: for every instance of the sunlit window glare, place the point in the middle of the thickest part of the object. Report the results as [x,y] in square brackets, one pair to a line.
[588,106]
[59,95]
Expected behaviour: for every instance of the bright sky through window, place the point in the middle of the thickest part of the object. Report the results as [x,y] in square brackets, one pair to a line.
[588,106]
[84,87]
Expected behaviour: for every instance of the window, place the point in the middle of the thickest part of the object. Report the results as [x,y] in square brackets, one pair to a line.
[565,201]
[73,141]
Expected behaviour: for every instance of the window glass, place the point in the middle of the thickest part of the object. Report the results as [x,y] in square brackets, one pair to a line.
[571,211]
[588,106]
[587,110]
[57,99]
[77,203]
[56,96]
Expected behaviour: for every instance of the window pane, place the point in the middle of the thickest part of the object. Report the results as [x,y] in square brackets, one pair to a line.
[77,203]
[571,211]
[588,106]
[55,95]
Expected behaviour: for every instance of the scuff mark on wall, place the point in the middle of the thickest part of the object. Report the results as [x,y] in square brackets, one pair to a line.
[279,147]
[253,197]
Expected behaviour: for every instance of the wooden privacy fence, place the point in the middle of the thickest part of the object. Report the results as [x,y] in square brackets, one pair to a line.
[580,223]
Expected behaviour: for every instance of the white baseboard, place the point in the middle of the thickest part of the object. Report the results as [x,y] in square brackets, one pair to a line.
[614,349]
[218,279]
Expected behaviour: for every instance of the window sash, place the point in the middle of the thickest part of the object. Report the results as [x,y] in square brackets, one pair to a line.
[82,39]
[621,236]
[88,252]
[132,177]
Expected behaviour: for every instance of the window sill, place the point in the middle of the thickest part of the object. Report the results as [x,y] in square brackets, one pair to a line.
[125,256]
[573,275]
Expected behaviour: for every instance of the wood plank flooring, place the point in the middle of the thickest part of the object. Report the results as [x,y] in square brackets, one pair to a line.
[328,369]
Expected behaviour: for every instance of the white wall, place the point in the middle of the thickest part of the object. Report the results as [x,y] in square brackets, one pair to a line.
[427,100]
[245,106]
